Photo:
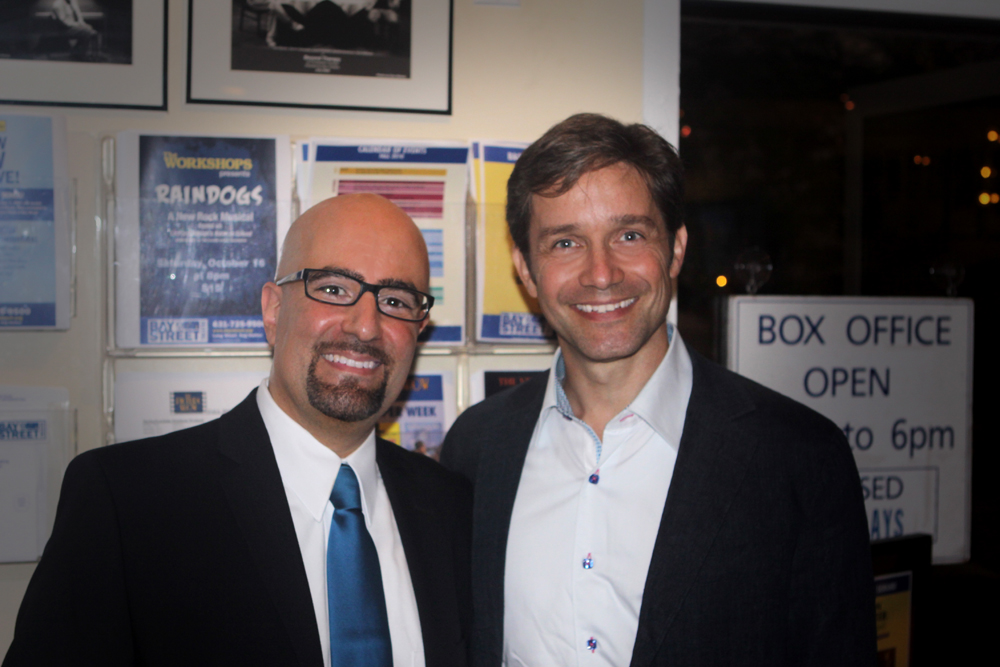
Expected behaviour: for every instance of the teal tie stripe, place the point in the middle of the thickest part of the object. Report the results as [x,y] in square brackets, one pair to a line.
[359,623]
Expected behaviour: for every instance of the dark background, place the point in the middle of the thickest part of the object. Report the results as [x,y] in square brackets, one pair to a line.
[766,97]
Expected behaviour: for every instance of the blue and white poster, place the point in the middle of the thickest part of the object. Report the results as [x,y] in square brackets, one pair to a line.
[429,181]
[34,230]
[210,214]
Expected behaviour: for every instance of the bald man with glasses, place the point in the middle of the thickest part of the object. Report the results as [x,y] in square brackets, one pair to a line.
[284,532]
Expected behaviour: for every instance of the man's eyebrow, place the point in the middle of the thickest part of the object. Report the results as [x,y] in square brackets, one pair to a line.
[558,230]
[620,221]
[385,282]
[397,282]
[344,272]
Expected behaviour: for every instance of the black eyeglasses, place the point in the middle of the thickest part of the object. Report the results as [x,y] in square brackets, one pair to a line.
[337,289]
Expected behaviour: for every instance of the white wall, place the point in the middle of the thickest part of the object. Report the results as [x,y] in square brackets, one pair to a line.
[516,71]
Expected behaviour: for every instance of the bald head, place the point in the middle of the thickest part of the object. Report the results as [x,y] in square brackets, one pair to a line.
[336,368]
[369,222]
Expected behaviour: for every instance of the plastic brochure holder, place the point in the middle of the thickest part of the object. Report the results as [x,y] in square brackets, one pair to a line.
[36,445]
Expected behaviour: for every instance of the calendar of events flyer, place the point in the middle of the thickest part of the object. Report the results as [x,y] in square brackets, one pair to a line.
[428,180]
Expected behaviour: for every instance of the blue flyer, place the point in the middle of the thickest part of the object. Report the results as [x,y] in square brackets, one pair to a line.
[207,238]
[28,282]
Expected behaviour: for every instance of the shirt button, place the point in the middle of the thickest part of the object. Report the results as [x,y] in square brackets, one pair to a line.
[592,644]
[588,563]
[595,478]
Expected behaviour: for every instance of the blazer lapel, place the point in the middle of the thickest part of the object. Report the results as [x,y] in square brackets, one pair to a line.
[706,478]
[505,447]
[426,549]
[257,499]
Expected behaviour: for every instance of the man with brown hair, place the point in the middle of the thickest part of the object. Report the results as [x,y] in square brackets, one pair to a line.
[639,504]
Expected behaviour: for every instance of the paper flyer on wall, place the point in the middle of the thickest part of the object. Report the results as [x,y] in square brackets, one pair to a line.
[34,223]
[422,414]
[199,224]
[149,403]
[505,311]
[34,451]
[428,180]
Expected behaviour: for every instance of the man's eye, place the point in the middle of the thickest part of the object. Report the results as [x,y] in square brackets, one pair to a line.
[332,290]
[631,236]
[563,243]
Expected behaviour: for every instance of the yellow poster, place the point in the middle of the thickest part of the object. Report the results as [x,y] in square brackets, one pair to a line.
[893,619]
[506,312]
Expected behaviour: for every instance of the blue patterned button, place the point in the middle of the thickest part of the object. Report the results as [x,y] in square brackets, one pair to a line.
[595,478]
[588,563]
[592,644]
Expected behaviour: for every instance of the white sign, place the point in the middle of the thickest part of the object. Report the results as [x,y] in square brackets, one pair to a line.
[896,375]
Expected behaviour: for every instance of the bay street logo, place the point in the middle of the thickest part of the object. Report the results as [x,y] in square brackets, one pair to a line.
[165,331]
[20,430]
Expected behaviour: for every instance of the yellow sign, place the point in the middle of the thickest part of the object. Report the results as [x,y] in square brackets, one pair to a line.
[893,618]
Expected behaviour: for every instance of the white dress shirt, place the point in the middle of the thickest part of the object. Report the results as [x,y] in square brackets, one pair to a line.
[585,519]
[308,471]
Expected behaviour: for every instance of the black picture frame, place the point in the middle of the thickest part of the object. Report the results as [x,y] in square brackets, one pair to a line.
[214,28]
[139,84]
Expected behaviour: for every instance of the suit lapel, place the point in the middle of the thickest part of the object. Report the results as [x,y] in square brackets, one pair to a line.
[505,447]
[257,499]
[423,544]
[706,478]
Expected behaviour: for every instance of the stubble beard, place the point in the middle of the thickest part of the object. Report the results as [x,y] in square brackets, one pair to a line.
[347,401]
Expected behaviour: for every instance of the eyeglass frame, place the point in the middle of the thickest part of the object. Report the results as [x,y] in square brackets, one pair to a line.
[303,275]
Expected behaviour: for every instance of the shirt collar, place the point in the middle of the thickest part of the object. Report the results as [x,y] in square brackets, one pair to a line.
[307,466]
[662,402]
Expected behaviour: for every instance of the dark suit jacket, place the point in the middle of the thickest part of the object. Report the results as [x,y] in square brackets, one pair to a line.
[180,550]
[762,555]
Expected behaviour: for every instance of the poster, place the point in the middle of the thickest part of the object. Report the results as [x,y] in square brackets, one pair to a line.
[491,374]
[34,223]
[429,182]
[347,37]
[506,313]
[893,618]
[199,224]
[896,375]
[34,452]
[349,54]
[149,403]
[85,53]
[85,31]
[423,413]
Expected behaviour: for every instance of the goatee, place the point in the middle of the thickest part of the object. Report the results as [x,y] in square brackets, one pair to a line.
[347,401]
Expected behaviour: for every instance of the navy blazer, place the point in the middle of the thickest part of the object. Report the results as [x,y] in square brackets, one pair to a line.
[762,555]
[180,550]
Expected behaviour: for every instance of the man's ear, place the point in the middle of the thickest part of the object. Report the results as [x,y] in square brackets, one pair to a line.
[524,272]
[270,305]
[680,245]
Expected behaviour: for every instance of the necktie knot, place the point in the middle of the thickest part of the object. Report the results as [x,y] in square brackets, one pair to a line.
[346,494]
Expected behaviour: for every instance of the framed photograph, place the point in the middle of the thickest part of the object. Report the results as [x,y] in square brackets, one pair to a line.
[375,55]
[84,53]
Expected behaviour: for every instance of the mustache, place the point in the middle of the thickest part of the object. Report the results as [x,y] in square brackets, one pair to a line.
[356,346]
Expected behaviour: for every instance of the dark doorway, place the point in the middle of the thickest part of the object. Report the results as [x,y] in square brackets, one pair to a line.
[770,97]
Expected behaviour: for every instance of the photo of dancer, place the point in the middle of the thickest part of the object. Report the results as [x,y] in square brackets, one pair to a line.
[94,31]
[348,37]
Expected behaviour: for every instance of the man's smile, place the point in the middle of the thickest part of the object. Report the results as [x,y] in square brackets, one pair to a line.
[353,363]
[604,307]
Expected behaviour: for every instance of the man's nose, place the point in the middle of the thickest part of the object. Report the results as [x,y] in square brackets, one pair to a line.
[602,270]
[363,319]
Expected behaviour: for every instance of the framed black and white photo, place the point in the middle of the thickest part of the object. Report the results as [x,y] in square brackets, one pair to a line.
[384,55]
[88,53]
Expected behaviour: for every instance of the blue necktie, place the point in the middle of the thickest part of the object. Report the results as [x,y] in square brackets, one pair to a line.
[359,624]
